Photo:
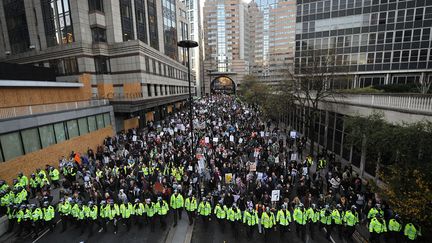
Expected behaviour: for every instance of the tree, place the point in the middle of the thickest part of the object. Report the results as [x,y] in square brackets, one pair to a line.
[424,84]
[404,158]
[312,84]
[252,91]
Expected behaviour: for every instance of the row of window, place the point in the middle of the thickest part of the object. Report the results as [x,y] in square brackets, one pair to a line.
[410,35]
[26,141]
[417,55]
[335,5]
[159,89]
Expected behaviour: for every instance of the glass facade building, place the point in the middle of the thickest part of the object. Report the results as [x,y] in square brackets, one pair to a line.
[375,42]
[16,23]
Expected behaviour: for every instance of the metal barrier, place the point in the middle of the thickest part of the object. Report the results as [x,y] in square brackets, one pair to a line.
[408,102]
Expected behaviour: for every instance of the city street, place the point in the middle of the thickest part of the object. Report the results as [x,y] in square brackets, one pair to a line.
[214,234]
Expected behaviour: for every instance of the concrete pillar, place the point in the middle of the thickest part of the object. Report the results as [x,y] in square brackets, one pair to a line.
[134,20]
[40,26]
[160,26]
[387,79]
[113,21]
[147,23]
[31,24]
[4,34]
[80,20]
[355,81]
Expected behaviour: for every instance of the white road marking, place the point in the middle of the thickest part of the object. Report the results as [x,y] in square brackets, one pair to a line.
[44,233]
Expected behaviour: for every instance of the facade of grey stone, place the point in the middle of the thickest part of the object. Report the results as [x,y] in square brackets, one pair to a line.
[375,42]
[128,46]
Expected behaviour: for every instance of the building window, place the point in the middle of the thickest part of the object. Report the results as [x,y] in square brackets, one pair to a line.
[98,34]
[11,145]
[60,133]
[47,135]
[126,19]
[70,66]
[102,65]
[95,5]
[16,24]
[155,90]
[140,20]
[72,128]
[57,22]
[153,24]
[31,141]
[92,123]
[170,28]
[149,91]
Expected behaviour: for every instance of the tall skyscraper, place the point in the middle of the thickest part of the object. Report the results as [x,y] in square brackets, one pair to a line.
[274,24]
[196,34]
[128,47]
[256,38]
[375,42]
[226,33]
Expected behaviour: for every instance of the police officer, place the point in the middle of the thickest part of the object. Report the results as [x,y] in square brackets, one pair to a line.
[104,215]
[151,213]
[233,215]
[37,217]
[48,215]
[395,229]
[54,175]
[250,218]
[91,215]
[374,211]
[204,209]
[350,220]
[139,211]
[33,184]
[126,210]
[220,212]
[326,220]
[12,211]
[22,218]
[162,211]
[191,207]
[412,232]
[312,215]
[176,203]
[283,217]
[300,219]
[268,221]
[23,180]
[377,227]
[113,211]
[337,217]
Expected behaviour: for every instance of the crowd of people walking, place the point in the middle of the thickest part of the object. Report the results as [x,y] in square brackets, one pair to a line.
[240,171]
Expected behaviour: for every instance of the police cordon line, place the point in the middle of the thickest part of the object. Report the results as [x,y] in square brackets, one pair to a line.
[139,177]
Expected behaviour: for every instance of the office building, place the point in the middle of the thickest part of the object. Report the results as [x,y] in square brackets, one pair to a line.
[42,119]
[373,42]
[127,47]
[226,35]
[274,23]
[193,8]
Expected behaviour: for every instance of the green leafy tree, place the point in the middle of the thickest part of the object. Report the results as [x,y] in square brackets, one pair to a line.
[403,157]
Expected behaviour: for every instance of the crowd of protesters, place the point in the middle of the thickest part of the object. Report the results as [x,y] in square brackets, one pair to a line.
[239,170]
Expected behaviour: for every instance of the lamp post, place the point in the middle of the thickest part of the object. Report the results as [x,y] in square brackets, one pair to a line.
[189,44]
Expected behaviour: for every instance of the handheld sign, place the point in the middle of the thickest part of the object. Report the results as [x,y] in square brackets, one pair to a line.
[275,195]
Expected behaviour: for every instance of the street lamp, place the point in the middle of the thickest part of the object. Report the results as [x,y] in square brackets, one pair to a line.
[189,44]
